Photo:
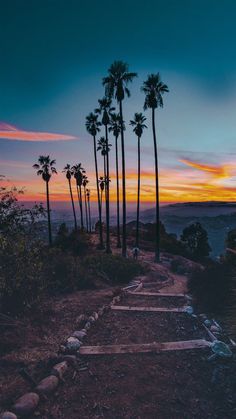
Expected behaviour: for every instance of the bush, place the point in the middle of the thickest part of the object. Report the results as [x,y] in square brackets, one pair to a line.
[210,287]
[112,268]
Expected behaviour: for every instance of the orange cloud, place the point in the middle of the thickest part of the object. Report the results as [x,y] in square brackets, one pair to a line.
[10,132]
[221,172]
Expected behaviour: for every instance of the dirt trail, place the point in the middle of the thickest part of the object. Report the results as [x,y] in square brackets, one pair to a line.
[164,385]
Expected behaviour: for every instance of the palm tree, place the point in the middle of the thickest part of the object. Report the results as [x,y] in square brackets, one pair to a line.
[116,86]
[154,89]
[139,126]
[92,125]
[115,128]
[105,110]
[101,181]
[45,168]
[84,183]
[89,212]
[104,146]
[78,172]
[69,172]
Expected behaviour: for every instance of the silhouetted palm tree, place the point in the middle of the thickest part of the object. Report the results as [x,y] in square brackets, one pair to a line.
[115,128]
[116,86]
[102,187]
[78,172]
[89,211]
[45,168]
[104,146]
[92,125]
[139,126]
[154,89]
[85,182]
[69,172]
[105,110]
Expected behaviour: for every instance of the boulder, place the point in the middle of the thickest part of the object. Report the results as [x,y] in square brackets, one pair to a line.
[48,384]
[79,334]
[60,369]
[8,415]
[26,404]
[73,344]
[87,326]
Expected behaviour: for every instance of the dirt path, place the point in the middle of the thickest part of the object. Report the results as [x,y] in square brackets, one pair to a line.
[164,385]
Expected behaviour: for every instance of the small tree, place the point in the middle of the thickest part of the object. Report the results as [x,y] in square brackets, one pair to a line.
[195,239]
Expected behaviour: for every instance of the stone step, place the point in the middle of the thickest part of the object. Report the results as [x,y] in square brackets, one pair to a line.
[145,347]
[152,309]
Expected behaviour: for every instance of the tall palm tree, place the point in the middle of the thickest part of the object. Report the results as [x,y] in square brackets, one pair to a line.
[78,172]
[115,128]
[154,89]
[101,181]
[116,86]
[139,126]
[68,170]
[45,168]
[89,211]
[84,183]
[105,110]
[104,146]
[93,127]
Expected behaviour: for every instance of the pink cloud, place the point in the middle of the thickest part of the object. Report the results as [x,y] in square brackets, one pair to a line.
[10,132]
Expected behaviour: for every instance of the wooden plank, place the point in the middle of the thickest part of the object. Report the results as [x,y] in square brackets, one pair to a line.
[152,309]
[156,294]
[144,347]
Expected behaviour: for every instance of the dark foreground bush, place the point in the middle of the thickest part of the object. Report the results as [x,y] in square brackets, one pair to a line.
[211,287]
[112,268]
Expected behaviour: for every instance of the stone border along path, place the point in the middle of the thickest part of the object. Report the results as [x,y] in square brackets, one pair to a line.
[72,349]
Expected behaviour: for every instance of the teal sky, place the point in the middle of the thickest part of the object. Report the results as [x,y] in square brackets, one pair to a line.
[55,52]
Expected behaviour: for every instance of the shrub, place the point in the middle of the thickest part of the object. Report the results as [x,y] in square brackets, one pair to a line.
[112,268]
[210,287]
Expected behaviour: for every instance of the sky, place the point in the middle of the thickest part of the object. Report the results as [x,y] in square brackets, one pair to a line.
[54,54]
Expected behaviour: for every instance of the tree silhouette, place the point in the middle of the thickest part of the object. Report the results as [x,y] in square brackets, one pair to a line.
[115,128]
[89,211]
[68,170]
[116,86]
[93,127]
[84,183]
[139,126]
[195,238]
[154,89]
[78,172]
[45,168]
[105,110]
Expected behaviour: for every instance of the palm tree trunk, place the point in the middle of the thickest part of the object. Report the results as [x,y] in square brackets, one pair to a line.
[157,247]
[98,195]
[124,246]
[86,210]
[138,197]
[81,206]
[117,196]
[49,215]
[73,205]
[108,246]
[89,216]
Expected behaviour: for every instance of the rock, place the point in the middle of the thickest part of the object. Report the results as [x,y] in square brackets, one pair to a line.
[73,344]
[60,369]
[8,415]
[48,384]
[100,311]
[95,315]
[26,404]
[87,326]
[78,334]
[91,319]
[214,328]
[70,359]
[62,349]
